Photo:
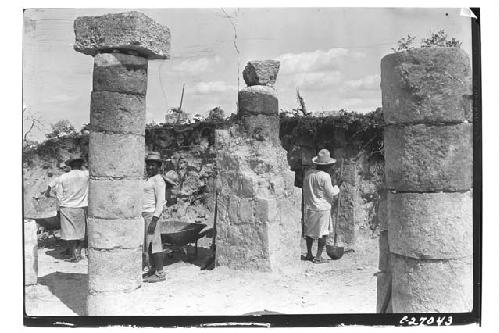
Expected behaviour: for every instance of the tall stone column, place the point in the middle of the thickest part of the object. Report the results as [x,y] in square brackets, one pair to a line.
[426,97]
[121,45]
[258,226]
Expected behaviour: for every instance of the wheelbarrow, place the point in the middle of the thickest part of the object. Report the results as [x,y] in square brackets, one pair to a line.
[181,233]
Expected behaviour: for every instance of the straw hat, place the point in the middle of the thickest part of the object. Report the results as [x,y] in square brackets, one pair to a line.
[154,157]
[323,158]
[171,177]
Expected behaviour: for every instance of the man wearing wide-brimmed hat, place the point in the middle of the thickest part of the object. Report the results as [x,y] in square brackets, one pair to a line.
[318,196]
[153,202]
[72,193]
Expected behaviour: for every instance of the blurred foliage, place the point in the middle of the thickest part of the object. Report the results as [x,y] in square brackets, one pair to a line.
[365,131]
[436,39]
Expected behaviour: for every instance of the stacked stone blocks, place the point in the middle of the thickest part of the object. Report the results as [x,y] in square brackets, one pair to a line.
[258,225]
[426,97]
[121,45]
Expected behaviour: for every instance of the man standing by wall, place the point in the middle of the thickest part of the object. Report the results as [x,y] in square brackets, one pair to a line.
[318,195]
[154,201]
[72,193]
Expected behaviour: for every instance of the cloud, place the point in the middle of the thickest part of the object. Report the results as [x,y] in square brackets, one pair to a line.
[316,61]
[213,87]
[313,80]
[197,66]
[370,82]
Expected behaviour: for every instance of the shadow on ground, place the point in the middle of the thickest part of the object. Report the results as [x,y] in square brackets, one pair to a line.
[177,255]
[70,288]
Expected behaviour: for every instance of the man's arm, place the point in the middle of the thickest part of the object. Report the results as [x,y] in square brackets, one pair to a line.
[160,201]
[330,190]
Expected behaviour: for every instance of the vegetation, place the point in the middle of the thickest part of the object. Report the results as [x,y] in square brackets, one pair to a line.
[436,39]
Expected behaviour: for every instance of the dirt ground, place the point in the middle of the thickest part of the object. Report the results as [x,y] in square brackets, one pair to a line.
[347,285]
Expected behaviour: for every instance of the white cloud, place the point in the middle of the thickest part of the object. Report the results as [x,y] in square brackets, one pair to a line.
[370,82]
[197,66]
[313,80]
[316,61]
[212,87]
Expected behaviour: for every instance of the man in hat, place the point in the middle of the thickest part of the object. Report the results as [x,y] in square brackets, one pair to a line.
[72,193]
[153,203]
[318,196]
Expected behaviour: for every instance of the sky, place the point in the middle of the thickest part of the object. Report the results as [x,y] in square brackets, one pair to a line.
[332,55]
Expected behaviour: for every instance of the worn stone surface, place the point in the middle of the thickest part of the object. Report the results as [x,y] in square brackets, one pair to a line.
[261,72]
[384,289]
[131,31]
[115,269]
[109,234]
[384,251]
[109,303]
[115,199]
[431,286]
[258,225]
[430,225]
[427,84]
[257,100]
[428,158]
[120,72]
[117,112]
[30,253]
[262,127]
[116,155]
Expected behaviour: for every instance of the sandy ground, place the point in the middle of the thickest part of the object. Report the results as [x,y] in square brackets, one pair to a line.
[342,286]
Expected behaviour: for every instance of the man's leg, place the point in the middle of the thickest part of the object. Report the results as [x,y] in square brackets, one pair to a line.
[321,246]
[309,244]
[72,246]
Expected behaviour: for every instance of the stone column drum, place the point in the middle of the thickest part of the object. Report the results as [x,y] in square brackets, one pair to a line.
[426,97]
[30,252]
[121,45]
[258,226]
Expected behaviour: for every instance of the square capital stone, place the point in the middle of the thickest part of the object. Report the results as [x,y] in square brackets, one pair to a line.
[131,31]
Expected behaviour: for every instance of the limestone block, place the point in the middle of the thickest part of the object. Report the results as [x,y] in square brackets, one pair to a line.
[284,237]
[108,234]
[120,72]
[245,210]
[266,209]
[242,246]
[262,127]
[428,158]
[430,225]
[382,211]
[257,100]
[30,252]
[431,285]
[426,84]
[261,72]
[115,199]
[117,112]
[116,155]
[115,269]
[123,31]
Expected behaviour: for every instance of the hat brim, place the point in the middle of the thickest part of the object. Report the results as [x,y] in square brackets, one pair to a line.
[332,161]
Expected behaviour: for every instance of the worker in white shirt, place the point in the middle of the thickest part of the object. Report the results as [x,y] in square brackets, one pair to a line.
[153,203]
[318,196]
[72,193]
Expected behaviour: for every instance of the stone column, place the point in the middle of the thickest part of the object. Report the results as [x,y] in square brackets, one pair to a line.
[30,252]
[121,45]
[426,97]
[258,226]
